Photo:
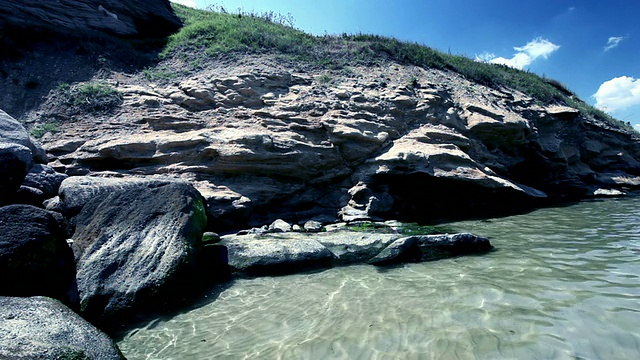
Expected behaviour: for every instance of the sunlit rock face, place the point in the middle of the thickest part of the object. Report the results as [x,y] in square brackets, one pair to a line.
[262,139]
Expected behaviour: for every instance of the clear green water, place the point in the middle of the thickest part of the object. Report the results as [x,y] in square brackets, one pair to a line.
[564,283]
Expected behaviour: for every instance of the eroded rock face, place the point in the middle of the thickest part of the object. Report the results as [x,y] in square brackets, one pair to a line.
[43,328]
[153,18]
[136,242]
[263,142]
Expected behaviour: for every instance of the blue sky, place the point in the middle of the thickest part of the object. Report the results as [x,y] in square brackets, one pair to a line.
[591,46]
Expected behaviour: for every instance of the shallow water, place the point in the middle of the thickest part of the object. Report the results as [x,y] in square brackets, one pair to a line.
[564,283]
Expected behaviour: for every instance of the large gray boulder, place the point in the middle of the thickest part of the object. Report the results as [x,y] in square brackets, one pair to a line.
[42,328]
[34,256]
[136,243]
[153,18]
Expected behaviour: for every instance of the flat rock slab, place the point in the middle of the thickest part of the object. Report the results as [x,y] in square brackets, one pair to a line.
[250,253]
[296,251]
[42,328]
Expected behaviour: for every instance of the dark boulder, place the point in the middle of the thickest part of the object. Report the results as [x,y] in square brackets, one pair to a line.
[42,328]
[15,162]
[34,256]
[45,179]
[151,18]
[136,244]
[12,131]
[18,153]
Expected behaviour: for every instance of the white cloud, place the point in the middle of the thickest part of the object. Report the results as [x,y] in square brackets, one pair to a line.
[614,41]
[618,93]
[537,48]
[189,3]
[637,127]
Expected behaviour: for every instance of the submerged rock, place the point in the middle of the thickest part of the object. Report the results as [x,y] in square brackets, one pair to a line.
[42,328]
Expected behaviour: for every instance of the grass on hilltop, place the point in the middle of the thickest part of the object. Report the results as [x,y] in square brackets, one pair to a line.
[219,31]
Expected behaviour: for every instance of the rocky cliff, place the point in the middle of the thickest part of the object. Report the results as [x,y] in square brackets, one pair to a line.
[261,139]
[266,136]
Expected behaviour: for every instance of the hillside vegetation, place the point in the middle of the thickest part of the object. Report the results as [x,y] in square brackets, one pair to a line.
[217,31]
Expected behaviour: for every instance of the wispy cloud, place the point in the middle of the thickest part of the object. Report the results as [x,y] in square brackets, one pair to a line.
[189,3]
[618,93]
[613,42]
[525,55]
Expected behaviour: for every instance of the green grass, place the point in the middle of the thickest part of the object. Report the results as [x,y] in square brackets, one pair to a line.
[91,96]
[153,74]
[216,32]
[222,32]
[39,130]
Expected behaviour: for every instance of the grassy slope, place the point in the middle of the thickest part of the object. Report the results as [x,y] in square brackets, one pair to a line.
[218,32]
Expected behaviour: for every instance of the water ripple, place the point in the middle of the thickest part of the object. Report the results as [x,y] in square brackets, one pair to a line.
[564,284]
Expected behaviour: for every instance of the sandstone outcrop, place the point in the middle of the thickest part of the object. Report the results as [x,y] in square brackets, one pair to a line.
[263,140]
[42,328]
[153,18]
[136,242]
